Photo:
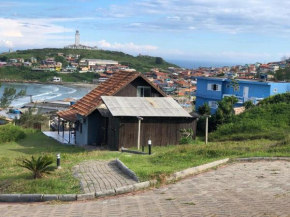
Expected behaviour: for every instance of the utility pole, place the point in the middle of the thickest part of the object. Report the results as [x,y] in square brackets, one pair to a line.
[206,128]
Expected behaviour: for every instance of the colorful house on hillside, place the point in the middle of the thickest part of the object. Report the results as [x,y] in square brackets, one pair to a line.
[123,107]
[212,90]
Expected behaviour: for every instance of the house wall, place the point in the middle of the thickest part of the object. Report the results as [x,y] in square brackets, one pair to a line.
[131,89]
[161,131]
[82,137]
[203,95]
[256,90]
[277,88]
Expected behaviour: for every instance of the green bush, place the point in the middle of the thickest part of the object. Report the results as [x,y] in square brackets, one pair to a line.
[10,133]
[275,99]
[270,121]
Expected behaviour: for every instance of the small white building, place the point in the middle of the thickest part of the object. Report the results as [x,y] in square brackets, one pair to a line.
[57,79]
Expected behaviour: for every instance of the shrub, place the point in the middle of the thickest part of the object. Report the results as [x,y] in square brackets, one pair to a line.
[268,121]
[10,133]
[249,105]
[185,140]
[39,166]
[275,99]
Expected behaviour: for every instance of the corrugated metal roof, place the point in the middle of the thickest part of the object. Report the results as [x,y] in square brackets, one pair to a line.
[144,106]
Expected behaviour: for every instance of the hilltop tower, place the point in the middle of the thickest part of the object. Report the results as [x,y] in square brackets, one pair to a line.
[77,38]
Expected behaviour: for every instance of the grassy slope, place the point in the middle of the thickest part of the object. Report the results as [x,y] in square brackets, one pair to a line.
[14,73]
[141,64]
[16,179]
[166,160]
[268,121]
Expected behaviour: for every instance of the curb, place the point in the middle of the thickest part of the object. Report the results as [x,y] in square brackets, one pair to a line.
[195,170]
[75,197]
[126,170]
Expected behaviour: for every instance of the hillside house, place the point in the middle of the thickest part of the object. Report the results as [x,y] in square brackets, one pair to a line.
[97,124]
[212,90]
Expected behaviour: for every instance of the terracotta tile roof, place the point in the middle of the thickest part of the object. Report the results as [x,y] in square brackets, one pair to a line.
[92,100]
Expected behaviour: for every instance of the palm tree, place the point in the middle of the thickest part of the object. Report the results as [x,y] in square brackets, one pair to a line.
[39,166]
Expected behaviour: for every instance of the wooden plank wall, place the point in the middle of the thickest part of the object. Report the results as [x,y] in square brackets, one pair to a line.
[113,134]
[161,131]
[131,89]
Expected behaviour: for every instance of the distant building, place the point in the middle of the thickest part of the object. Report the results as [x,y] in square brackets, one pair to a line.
[57,79]
[77,38]
[77,44]
[212,90]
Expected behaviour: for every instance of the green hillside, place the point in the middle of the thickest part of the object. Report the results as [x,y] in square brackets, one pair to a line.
[140,63]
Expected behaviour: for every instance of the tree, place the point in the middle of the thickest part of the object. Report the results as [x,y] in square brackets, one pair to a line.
[225,111]
[62,60]
[159,60]
[283,74]
[4,58]
[28,119]
[9,95]
[204,109]
[39,166]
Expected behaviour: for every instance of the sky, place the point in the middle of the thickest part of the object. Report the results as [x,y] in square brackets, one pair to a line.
[224,31]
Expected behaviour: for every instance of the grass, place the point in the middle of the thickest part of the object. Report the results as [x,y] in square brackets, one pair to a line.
[14,179]
[167,160]
[164,161]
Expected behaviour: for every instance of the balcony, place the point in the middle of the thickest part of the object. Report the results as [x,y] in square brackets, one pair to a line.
[242,100]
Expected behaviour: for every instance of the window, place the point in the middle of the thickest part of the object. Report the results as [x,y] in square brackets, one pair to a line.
[213,104]
[214,87]
[143,91]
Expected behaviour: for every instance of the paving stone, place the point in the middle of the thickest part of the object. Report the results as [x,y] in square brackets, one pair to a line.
[97,176]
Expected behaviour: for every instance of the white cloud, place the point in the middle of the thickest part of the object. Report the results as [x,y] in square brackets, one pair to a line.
[6,43]
[230,16]
[129,47]
[35,32]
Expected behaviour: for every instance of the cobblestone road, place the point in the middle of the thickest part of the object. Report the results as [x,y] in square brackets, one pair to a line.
[97,176]
[240,189]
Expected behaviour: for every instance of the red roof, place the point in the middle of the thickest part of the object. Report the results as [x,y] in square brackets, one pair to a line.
[92,100]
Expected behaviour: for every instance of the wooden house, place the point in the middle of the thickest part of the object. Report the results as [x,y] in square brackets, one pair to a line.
[96,125]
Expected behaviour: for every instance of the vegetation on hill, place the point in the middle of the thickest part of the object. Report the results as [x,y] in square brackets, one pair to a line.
[25,73]
[282,74]
[269,121]
[141,63]
[278,98]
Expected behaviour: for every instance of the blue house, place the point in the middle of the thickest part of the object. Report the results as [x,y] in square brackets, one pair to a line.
[212,90]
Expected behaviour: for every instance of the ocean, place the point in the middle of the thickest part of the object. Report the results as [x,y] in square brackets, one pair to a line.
[45,92]
[192,64]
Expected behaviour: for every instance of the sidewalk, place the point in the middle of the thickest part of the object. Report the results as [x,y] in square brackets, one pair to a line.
[97,176]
